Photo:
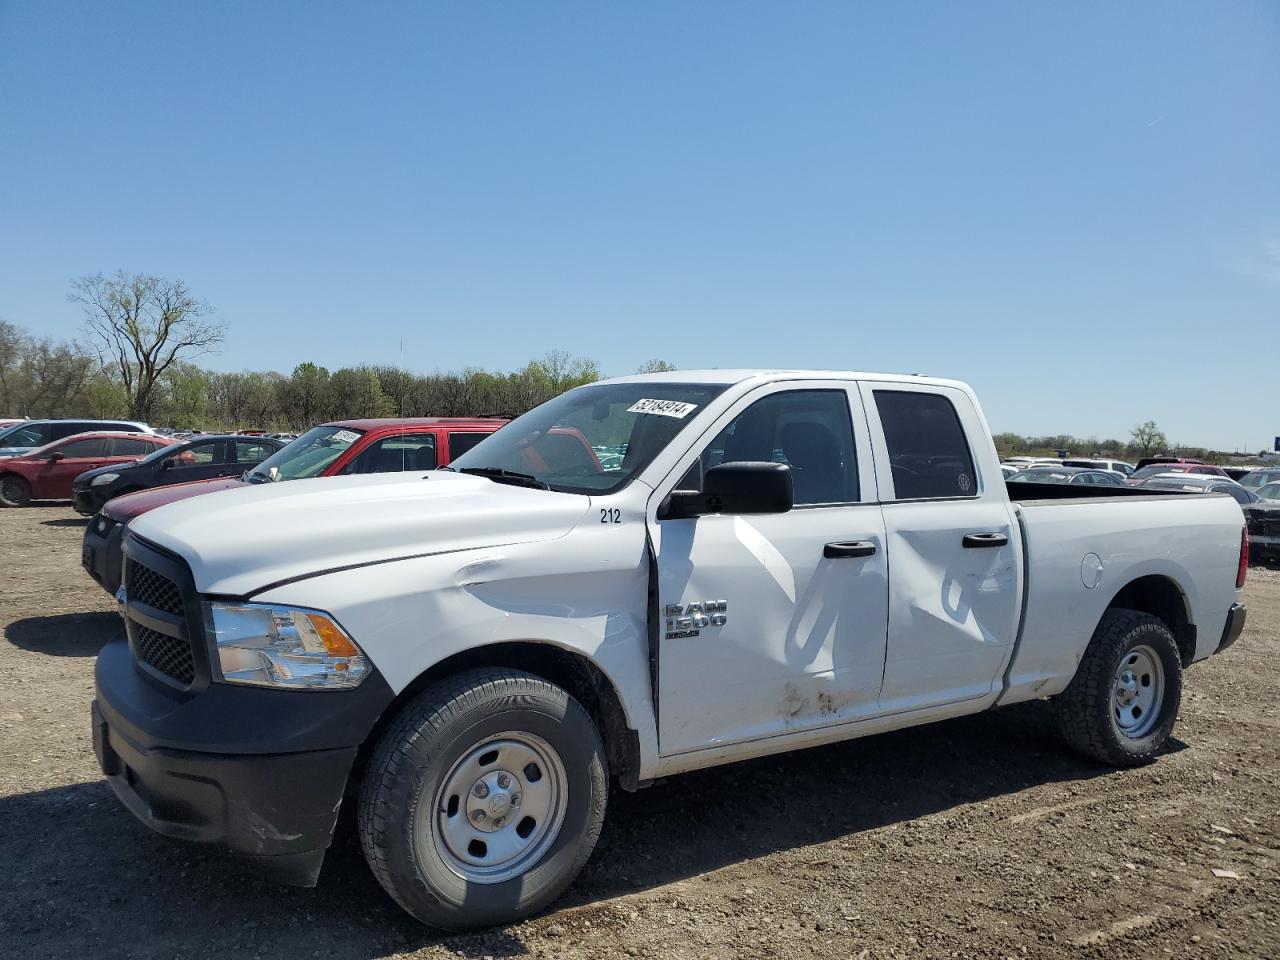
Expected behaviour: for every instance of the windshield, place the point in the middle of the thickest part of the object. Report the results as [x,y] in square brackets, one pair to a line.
[1256,478]
[1269,491]
[19,435]
[590,440]
[1156,469]
[305,457]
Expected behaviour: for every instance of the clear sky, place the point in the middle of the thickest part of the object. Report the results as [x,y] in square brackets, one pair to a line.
[1074,206]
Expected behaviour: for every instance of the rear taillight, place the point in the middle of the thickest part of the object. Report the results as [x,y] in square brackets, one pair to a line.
[1242,571]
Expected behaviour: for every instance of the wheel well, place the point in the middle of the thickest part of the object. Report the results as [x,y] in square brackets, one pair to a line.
[572,672]
[1163,599]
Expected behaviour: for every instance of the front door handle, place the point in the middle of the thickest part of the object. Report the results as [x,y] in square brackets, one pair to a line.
[853,548]
[985,540]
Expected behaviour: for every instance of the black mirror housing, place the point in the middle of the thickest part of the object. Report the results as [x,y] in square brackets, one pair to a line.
[742,487]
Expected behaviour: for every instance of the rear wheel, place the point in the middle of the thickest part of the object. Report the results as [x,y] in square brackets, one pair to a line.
[14,491]
[1122,703]
[484,799]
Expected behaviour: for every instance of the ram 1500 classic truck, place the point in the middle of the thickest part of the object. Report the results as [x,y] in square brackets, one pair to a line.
[473,655]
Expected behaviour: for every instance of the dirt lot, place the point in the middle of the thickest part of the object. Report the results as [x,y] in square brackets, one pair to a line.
[976,838]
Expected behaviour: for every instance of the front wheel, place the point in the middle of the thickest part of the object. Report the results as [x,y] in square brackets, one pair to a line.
[1123,701]
[14,491]
[484,799]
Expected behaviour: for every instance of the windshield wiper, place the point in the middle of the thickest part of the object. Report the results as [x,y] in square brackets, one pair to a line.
[498,475]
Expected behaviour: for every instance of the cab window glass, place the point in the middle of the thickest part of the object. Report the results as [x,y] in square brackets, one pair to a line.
[248,452]
[203,454]
[460,443]
[928,452]
[809,430]
[395,454]
[130,447]
[89,447]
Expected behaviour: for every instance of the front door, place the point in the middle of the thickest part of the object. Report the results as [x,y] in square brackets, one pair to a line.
[955,592]
[53,481]
[773,624]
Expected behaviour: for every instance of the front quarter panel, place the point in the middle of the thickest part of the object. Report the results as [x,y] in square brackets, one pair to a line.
[586,592]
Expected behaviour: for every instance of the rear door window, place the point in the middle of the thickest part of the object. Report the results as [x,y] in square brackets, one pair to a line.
[130,447]
[248,452]
[928,451]
[460,443]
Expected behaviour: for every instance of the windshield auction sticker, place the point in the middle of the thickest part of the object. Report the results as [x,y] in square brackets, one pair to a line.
[346,436]
[663,408]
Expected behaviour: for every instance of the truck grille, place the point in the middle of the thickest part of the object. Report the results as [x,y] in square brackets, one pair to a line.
[153,589]
[170,655]
[167,650]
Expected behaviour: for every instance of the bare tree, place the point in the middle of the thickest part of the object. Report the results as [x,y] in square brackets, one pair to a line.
[141,325]
[1147,439]
[656,365]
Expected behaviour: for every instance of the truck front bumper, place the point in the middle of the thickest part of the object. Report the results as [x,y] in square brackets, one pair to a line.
[101,551]
[1236,617]
[260,772]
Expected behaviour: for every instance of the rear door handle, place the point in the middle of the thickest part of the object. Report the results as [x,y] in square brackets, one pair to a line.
[853,548]
[985,540]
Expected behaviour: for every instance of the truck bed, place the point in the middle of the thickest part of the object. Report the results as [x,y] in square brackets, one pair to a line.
[1038,492]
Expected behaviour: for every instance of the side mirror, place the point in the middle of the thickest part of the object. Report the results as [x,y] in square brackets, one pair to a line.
[734,488]
[56,455]
[168,464]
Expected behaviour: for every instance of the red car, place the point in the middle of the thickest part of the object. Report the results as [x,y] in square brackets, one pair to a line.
[333,449]
[47,473]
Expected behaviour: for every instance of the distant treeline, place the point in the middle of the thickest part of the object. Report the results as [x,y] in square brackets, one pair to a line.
[46,378]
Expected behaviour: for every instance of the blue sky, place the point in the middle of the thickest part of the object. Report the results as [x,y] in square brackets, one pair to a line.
[1074,206]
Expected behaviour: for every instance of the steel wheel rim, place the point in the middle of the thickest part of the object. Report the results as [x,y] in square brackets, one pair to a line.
[1137,692]
[498,809]
[11,489]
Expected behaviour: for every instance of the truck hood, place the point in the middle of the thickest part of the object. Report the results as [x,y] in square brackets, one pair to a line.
[123,509]
[241,540]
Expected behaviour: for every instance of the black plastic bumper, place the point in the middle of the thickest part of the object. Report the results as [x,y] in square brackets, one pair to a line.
[261,772]
[101,552]
[1236,617]
[86,501]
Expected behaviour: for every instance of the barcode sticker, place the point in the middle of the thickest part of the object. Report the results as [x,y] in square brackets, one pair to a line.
[663,408]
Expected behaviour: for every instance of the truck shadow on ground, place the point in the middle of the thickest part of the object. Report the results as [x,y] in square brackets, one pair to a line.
[65,634]
[84,877]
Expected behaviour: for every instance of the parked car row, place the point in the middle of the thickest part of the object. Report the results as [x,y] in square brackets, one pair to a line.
[1257,492]
[341,448]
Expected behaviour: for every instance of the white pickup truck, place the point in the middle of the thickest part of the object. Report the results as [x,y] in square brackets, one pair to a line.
[640,577]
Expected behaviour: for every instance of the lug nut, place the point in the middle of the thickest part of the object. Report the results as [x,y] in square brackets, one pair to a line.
[504,781]
[478,816]
[515,799]
[499,821]
[481,790]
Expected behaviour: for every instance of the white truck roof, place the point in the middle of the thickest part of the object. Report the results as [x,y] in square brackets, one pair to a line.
[735,376]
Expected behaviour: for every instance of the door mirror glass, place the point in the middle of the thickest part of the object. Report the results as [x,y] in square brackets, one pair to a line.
[741,487]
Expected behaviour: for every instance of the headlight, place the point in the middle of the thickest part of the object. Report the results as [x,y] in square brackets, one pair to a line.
[102,478]
[273,646]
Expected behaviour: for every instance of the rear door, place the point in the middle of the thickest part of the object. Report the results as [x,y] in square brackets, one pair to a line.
[203,460]
[460,441]
[954,575]
[245,455]
[54,476]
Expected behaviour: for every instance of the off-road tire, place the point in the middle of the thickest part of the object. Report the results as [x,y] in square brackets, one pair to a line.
[1085,708]
[14,491]
[440,725]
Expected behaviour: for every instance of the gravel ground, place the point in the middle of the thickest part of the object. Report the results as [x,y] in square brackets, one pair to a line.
[980,837]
